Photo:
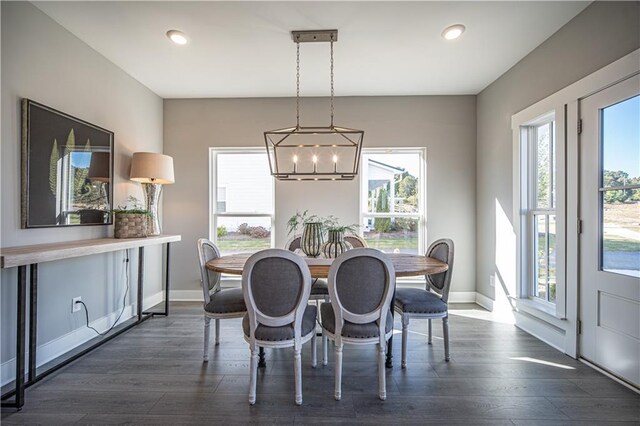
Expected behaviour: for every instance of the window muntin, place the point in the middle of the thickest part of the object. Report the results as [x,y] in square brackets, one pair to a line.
[392,200]
[620,188]
[243,207]
[540,209]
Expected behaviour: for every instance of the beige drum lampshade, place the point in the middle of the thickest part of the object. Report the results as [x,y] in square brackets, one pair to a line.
[151,167]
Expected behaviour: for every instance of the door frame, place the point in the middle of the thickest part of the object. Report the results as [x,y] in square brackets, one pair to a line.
[560,328]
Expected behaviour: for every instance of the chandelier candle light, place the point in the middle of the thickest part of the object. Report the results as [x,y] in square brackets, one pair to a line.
[152,170]
[316,152]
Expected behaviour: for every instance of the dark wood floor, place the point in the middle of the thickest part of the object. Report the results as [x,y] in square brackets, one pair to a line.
[498,375]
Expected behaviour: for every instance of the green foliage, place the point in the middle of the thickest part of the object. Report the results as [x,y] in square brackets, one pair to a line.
[620,178]
[382,224]
[71,143]
[131,206]
[329,223]
[407,187]
[221,231]
[53,167]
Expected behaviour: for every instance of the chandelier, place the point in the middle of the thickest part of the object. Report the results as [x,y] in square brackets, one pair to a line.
[316,152]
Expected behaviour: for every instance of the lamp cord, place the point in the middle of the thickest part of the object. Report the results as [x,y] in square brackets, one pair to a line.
[124,304]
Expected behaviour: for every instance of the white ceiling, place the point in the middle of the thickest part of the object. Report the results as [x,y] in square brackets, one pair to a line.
[244,49]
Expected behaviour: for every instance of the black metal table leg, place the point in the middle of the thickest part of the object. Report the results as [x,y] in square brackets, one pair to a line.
[261,361]
[140,280]
[167,282]
[33,320]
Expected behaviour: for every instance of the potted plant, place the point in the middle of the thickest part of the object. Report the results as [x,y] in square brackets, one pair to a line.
[130,220]
[336,245]
[313,232]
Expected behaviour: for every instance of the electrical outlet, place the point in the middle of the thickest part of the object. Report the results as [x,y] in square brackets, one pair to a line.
[492,280]
[75,306]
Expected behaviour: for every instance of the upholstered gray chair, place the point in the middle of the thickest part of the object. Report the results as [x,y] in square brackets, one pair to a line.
[430,303]
[361,284]
[356,241]
[218,303]
[276,285]
[319,289]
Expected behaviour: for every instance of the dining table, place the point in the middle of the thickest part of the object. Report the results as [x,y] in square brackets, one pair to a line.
[404,264]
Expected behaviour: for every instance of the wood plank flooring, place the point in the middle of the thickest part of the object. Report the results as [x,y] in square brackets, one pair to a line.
[498,375]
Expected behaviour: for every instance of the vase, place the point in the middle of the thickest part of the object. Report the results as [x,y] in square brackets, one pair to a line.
[335,245]
[312,239]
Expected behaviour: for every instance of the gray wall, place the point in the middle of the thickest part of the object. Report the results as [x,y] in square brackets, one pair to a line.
[601,34]
[445,125]
[43,61]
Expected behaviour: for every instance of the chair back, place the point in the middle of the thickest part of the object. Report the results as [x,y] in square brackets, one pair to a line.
[356,241]
[442,250]
[210,279]
[361,284]
[276,285]
[294,243]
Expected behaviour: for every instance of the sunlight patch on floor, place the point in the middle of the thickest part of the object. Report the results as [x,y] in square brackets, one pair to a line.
[543,362]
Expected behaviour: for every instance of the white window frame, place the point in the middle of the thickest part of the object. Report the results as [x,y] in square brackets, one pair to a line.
[422,188]
[213,194]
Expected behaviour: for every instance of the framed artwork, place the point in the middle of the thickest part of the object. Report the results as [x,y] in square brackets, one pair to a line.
[67,169]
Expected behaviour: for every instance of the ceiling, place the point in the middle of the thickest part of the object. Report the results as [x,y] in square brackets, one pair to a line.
[244,49]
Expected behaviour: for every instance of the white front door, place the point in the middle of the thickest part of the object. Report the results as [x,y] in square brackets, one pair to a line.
[610,239]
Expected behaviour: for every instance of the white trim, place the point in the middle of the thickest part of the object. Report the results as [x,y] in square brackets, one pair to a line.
[462,297]
[565,102]
[609,375]
[53,349]
[544,331]
[186,295]
[484,301]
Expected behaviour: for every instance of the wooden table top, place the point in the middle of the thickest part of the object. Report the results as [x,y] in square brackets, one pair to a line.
[406,265]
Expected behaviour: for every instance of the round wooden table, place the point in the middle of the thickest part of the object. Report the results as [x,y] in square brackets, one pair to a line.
[405,265]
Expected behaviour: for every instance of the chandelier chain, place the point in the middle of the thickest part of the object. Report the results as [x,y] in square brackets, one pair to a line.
[298,82]
[332,91]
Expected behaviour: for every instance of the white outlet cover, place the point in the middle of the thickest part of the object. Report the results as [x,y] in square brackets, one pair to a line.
[75,307]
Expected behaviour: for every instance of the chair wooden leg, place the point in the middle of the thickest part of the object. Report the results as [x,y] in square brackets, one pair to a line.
[445,333]
[325,348]
[217,332]
[253,375]
[338,366]
[429,338]
[405,332]
[207,329]
[382,378]
[314,350]
[297,370]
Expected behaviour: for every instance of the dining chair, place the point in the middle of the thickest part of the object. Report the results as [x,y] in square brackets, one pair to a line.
[218,303]
[276,285]
[319,289]
[361,284]
[356,241]
[430,303]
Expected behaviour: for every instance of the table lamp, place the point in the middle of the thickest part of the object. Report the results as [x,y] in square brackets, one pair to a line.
[152,170]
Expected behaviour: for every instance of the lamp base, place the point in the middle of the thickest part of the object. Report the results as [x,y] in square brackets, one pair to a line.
[152,193]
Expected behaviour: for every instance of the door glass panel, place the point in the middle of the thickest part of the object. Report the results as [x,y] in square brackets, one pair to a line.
[621,232]
[621,143]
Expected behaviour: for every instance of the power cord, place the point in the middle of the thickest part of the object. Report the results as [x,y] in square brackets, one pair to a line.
[124,303]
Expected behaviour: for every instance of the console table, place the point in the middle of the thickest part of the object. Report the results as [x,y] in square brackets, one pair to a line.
[23,256]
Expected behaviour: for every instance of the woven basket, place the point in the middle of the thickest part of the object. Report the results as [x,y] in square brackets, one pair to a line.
[130,225]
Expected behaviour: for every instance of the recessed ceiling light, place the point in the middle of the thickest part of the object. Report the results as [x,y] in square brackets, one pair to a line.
[453,32]
[178,37]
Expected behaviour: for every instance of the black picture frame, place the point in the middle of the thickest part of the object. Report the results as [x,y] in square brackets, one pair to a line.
[66,169]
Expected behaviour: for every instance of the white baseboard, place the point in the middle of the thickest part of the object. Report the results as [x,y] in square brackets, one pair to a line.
[541,330]
[484,301]
[57,347]
[462,297]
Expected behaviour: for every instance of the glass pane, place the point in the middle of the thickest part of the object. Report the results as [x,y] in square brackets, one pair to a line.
[244,183]
[621,143]
[621,232]
[243,234]
[393,182]
[392,234]
[543,165]
[545,252]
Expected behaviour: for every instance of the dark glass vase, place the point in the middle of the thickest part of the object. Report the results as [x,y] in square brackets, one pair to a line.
[312,239]
[335,245]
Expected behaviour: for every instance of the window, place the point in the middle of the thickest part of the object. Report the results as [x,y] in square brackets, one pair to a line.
[539,150]
[241,200]
[393,192]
